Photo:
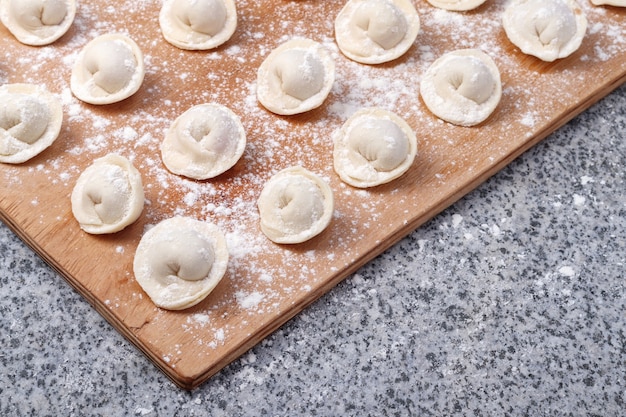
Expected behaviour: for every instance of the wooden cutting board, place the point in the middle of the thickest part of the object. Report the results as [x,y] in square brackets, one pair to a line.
[267,284]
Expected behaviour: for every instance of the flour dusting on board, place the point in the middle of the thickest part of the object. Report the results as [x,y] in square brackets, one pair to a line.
[263,279]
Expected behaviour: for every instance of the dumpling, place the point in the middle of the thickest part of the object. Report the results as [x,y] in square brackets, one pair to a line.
[295,77]
[198,24]
[546,29]
[30,121]
[109,69]
[457,5]
[373,147]
[180,261]
[295,205]
[203,142]
[376,31]
[462,87]
[37,22]
[108,195]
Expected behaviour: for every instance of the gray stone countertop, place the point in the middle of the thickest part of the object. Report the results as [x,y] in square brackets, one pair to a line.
[511,302]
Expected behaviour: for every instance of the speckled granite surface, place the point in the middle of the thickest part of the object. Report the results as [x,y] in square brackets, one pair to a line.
[510,303]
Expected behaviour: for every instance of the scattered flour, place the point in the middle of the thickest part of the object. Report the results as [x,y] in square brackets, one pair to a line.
[262,275]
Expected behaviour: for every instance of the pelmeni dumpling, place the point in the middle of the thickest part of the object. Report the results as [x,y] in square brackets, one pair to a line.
[108,69]
[374,146]
[30,121]
[295,205]
[462,87]
[546,29]
[180,261]
[198,24]
[37,22]
[457,5]
[295,77]
[376,31]
[203,142]
[108,195]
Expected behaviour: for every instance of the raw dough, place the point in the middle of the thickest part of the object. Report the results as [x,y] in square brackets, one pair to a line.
[203,142]
[295,205]
[108,195]
[109,69]
[295,77]
[457,5]
[37,22]
[30,121]
[198,24]
[462,87]
[376,31]
[180,261]
[374,146]
[546,29]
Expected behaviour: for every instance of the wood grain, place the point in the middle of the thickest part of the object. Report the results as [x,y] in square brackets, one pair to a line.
[267,284]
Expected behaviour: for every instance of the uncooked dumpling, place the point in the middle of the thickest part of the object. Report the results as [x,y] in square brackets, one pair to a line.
[374,146]
[30,121]
[37,22]
[295,77]
[109,69]
[295,205]
[456,5]
[203,142]
[180,261]
[376,31]
[198,24]
[108,195]
[462,87]
[546,29]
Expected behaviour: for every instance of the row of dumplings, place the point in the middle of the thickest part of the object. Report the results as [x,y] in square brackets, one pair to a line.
[180,260]
[367,31]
